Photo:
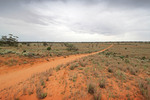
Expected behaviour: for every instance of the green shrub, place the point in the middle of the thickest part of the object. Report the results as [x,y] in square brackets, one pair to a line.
[43,95]
[72,67]
[40,94]
[122,57]
[143,58]
[80,68]
[48,48]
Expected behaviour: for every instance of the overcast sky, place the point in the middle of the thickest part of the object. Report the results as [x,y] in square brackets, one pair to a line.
[76,20]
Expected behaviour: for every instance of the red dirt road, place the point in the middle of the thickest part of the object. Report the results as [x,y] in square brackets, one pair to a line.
[12,78]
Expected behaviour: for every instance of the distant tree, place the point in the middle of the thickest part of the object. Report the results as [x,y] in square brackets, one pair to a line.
[11,40]
[70,47]
[45,44]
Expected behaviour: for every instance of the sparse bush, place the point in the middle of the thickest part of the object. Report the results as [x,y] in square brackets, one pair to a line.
[42,82]
[24,51]
[143,88]
[82,63]
[43,95]
[97,96]
[80,68]
[74,78]
[148,81]
[126,61]
[143,58]
[58,68]
[102,83]
[120,75]
[40,94]
[110,70]
[31,91]
[70,47]
[72,67]
[132,70]
[45,44]
[108,53]
[91,88]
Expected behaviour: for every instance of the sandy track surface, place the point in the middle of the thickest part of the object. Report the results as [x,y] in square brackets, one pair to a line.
[12,78]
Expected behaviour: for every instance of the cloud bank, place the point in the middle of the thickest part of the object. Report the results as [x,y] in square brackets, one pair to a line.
[76,20]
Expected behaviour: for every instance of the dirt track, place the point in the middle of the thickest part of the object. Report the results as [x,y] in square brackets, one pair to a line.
[12,78]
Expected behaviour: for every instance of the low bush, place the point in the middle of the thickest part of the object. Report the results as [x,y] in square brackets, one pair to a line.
[110,70]
[58,68]
[73,66]
[97,96]
[91,88]
[48,48]
[120,75]
[143,86]
[102,83]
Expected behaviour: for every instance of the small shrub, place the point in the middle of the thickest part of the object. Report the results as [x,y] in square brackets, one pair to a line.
[102,83]
[45,44]
[143,88]
[132,70]
[126,61]
[108,53]
[72,67]
[74,78]
[82,63]
[80,68]
[30,91]
[110,70]
[70,47]
[143,58]
[91,88]
[122,57]
[119,74]
[28,44]
[148,81]
[48,48]
[58,68]
[97,96]
[42,83]
[43,95]
[39,93]
[24,51]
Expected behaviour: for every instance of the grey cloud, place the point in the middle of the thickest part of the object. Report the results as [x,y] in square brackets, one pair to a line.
[16,9]
[104,17]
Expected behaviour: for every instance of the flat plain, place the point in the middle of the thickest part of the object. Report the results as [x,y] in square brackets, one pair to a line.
[75,71]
